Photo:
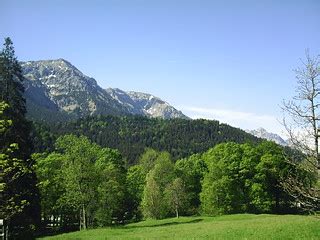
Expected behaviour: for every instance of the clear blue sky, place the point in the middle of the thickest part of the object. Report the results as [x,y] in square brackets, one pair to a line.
[229,60]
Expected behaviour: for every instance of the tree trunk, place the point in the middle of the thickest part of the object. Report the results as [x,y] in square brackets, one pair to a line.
[84,222]
[177,212]
[6,231]
[80,220]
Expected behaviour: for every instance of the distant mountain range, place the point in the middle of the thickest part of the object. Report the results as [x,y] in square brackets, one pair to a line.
[57,90]
[262,133]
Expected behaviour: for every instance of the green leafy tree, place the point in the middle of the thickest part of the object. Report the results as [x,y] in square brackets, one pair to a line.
[267,194]
[162,174]
[152,203]
[81,178]
[191,170]
[136,179]
[222,190]
[245,178]
[148,159]
[163,170]
[79,175]
[176,196]
[111,188]
[50,182]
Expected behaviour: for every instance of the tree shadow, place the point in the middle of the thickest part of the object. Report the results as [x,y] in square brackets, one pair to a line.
[165,224]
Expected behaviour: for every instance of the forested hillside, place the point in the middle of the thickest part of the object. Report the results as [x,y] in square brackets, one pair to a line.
[132,134]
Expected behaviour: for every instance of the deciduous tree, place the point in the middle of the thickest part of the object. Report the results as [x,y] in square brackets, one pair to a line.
[176,196]
[302,116]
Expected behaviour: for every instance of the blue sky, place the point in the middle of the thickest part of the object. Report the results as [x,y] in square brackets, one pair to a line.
[225,60]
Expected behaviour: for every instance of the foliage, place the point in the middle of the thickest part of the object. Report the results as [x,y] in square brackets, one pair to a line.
[152,204]
[50,182]
[191,170]
[244,178]
[81,177]
[136,178]
[175,196]
[111,188]
[12,170]
[19,197]
[162,174]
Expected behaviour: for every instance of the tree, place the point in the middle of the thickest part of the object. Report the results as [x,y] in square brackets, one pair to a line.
[302,116]
[222,190]
[266,193]
[111,188]
[82,179]
[135,184]
[16,148]
[245,178]
[79,175]
[176,196]
[152,204]
[11,171]
[191,170]
[162,174]
[148,159]
[50,182]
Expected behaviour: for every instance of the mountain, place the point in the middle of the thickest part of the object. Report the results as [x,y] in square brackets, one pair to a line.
[145,104]
[262,133]
[57,90]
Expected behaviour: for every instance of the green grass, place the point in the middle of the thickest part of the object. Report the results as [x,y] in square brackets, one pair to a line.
[240,226]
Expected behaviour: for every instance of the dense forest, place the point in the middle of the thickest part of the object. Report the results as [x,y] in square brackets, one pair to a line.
[132,134]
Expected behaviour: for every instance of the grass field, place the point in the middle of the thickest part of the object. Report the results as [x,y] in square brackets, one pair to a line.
[240,226]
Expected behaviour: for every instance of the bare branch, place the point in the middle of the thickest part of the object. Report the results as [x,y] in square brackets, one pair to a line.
[304,114]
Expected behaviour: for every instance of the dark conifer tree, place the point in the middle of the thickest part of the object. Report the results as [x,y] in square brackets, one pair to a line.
[20,197]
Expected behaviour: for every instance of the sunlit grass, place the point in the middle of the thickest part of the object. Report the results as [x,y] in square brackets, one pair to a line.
[240,226]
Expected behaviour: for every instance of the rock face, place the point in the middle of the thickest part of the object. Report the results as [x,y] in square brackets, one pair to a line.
[57,88]
[262,133]
[145,104]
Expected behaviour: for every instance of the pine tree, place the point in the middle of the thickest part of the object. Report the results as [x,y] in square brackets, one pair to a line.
[19,198]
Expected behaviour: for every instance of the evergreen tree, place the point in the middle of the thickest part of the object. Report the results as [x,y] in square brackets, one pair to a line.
[19,180]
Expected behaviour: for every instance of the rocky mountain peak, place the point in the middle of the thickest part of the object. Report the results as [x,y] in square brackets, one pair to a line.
[145,104]
[60,86]
[263,133]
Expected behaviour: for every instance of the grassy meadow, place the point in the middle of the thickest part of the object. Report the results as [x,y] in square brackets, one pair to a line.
[239,226]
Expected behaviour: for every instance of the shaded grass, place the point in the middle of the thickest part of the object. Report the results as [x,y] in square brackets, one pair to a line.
[239,226]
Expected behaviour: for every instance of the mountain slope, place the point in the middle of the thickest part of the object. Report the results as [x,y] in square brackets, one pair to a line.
[57,89]
[145,104]
[131,135]
[59,86]
[262,133]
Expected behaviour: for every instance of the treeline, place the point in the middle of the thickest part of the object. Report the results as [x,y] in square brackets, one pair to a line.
[132,134]
[83,184]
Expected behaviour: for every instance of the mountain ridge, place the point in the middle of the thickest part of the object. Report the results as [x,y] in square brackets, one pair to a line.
[57,86]
[263,133]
